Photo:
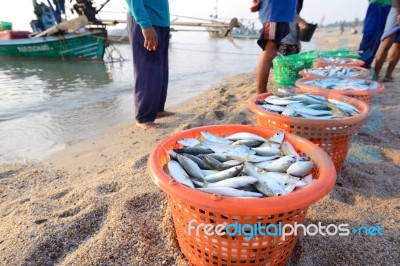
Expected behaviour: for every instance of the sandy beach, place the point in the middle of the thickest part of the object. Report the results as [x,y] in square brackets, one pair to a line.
[95,204]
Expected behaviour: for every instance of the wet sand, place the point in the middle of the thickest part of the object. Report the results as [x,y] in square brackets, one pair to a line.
[95,204]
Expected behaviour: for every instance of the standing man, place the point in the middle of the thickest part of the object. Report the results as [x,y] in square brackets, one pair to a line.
[148,24]
[374,25]
[275,16]
[390,39]
[341,27]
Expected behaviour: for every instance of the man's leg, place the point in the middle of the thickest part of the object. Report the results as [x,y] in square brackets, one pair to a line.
[382,54]
[164,45]
[264,66]
[393,60]
[270,39]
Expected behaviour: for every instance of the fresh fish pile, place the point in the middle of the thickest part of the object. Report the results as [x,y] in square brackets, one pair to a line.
[338,83]
[337,71]
[338,60]
[242,165]
[306,106]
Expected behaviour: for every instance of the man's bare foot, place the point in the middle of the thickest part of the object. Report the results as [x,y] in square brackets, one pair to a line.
[147,125]
[164,114]
[387,79]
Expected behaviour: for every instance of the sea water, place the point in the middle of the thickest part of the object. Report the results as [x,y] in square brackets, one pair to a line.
[48,105]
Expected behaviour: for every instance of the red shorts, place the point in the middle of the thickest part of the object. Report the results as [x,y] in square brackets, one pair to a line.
[273,31]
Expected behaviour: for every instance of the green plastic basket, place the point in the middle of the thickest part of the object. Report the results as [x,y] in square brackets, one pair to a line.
[5,25]
[338,53]
[287,68]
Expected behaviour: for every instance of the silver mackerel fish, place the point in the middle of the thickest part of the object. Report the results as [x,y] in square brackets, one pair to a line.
[242,165]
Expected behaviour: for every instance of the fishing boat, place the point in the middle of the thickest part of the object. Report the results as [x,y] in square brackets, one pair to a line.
[87,45]
[233,29]
[237,34]
[245,31]
[82,38]
[240,35]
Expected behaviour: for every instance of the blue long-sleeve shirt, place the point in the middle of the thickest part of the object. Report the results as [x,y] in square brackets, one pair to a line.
[150,12]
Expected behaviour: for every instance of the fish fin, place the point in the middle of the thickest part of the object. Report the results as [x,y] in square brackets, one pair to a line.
[301,183]
[246,158]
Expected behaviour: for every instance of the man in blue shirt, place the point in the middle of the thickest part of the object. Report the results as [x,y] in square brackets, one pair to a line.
[275,16]
[148,25]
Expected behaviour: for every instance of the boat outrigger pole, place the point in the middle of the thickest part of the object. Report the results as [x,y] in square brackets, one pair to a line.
[103,5]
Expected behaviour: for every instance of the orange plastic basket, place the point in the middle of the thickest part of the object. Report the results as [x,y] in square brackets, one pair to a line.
[362,72]
[187,204]
[366,96]
[320,62]
[334,136]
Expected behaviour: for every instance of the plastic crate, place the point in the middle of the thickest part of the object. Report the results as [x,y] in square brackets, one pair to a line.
[287,68]
[5,25]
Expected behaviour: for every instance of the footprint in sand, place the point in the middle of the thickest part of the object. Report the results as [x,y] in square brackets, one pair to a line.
[61,242]
[144,202]
[9,173]
[141,162]
[219,114]
[344,195]
[60,194]
[107,188]
[69,212]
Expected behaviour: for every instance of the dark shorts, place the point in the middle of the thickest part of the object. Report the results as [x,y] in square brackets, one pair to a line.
[288,49]
[273,31]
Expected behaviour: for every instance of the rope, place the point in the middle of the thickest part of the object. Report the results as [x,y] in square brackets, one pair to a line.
[205,51]
[112,54]
[111,49]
